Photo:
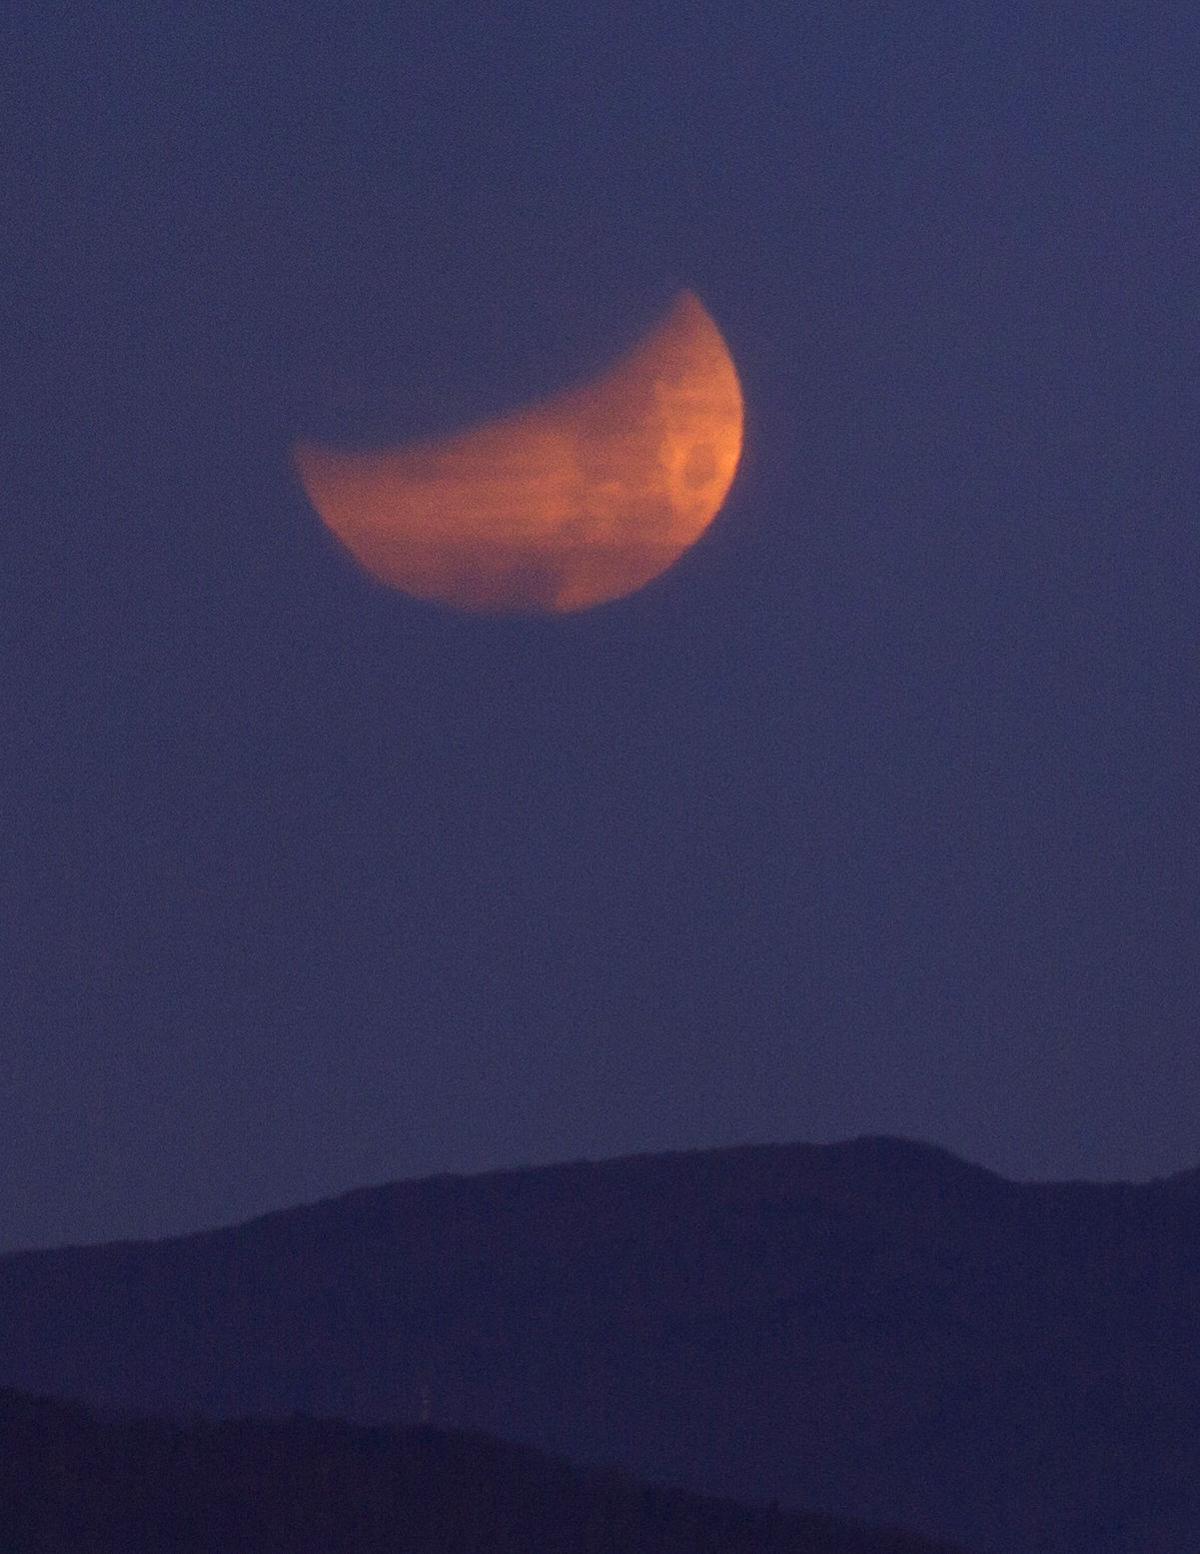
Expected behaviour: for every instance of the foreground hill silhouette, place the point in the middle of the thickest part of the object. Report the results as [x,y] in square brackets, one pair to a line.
[873,1329]
[69,1481]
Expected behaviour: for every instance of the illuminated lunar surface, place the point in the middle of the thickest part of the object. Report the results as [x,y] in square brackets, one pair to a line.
[578,500]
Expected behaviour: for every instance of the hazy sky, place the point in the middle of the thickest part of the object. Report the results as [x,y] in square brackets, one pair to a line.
[876,814]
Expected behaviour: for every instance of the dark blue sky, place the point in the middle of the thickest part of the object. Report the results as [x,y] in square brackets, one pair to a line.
[878,813]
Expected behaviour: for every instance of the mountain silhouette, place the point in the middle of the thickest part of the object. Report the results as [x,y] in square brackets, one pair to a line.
[873,1329]
[70,1481]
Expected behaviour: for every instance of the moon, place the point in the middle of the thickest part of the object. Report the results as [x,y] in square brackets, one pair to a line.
[573,502]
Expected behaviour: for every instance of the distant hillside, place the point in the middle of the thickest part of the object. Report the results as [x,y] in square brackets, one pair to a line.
[70,1482]
[873,1329]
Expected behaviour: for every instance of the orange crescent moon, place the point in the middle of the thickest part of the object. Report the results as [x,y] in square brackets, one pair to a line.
[573,502]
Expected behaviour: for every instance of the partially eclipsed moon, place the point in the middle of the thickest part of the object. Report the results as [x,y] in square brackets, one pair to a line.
[579,500]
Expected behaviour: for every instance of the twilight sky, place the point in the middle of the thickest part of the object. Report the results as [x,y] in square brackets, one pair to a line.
[878,813]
